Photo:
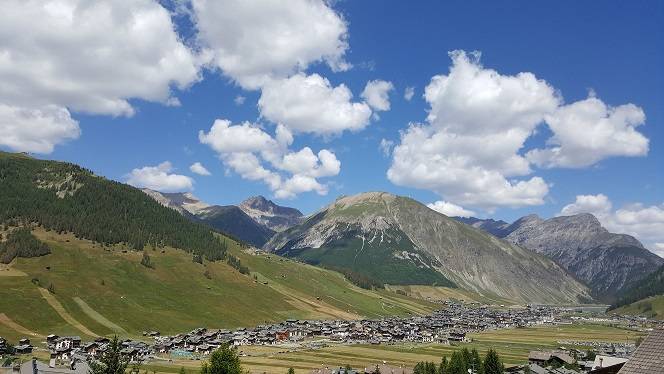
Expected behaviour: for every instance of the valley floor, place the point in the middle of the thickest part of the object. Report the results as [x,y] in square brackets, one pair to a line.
[513,346]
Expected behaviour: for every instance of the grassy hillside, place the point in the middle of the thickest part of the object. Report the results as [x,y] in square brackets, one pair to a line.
[651,307]
[100,290]
[67,198]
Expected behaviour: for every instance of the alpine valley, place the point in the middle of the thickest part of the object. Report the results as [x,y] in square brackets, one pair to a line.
[89,256]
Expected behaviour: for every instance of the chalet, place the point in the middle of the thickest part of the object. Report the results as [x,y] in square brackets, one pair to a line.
[67,342]
[23,349]
[91,349]
[281,335]
[548,358]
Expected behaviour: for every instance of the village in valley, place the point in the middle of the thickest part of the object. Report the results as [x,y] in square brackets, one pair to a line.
[449,325]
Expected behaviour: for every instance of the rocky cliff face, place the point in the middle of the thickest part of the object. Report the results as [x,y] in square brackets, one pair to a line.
[269,214]
[605,261]
[376,228]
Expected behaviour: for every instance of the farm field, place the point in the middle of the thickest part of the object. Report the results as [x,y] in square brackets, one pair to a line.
[104,291]
[512,345]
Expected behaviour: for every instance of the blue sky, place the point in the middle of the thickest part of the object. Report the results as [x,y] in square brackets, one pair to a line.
[611,51]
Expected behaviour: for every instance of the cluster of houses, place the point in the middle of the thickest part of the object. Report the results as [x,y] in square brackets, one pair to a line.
[443,326]
[648,358]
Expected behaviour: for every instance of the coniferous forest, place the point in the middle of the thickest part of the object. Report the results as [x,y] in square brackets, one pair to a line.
[21,243]
[651,285]
[67,198]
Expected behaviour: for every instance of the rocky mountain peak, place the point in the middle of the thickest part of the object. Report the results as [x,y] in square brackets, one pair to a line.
[588,250]
[269,214]
[180,201]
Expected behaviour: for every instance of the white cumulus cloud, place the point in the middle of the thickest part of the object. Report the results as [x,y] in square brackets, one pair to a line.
[256,155]
[36,130]
[450,209]
[160,178]
[199,169]
[377,94]
[58,56]
[310,104]
[69,58]
[646,223]
[471,148]
[257,41]
[588,131]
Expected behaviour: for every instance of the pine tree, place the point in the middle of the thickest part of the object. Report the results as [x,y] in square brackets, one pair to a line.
[224,360]
[442,369]
[475,361]
[457,364]
[291,371]
[492,364]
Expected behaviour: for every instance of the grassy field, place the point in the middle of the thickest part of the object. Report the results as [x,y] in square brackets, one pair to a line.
[652,307]
[512,345]
[103,291]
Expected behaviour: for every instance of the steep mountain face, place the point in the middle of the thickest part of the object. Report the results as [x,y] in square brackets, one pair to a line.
[497,228]
[652,285]
[229,219]
[400,241]
[606,262]
[269,214]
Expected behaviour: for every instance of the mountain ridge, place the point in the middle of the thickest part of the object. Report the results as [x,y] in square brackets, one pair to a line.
[420,237]
[229,219]
[584,247]
[269,214]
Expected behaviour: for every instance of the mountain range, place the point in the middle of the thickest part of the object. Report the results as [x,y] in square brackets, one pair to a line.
[373,238]
[398,240]
[253,221]
[607,262]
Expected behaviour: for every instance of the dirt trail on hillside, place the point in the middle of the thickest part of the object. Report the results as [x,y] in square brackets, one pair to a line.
[55,304]
[5,320]
[87,309]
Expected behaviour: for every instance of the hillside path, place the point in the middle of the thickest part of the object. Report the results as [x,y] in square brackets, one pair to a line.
[5,320]
[55,304]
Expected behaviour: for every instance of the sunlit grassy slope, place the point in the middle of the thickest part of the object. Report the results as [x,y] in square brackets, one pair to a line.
[101,290]
[652,307]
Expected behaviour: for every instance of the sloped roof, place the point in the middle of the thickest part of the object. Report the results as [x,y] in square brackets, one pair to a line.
[648,357]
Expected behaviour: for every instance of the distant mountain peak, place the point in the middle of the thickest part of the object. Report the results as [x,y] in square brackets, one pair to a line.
[180,201]
[269,214]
